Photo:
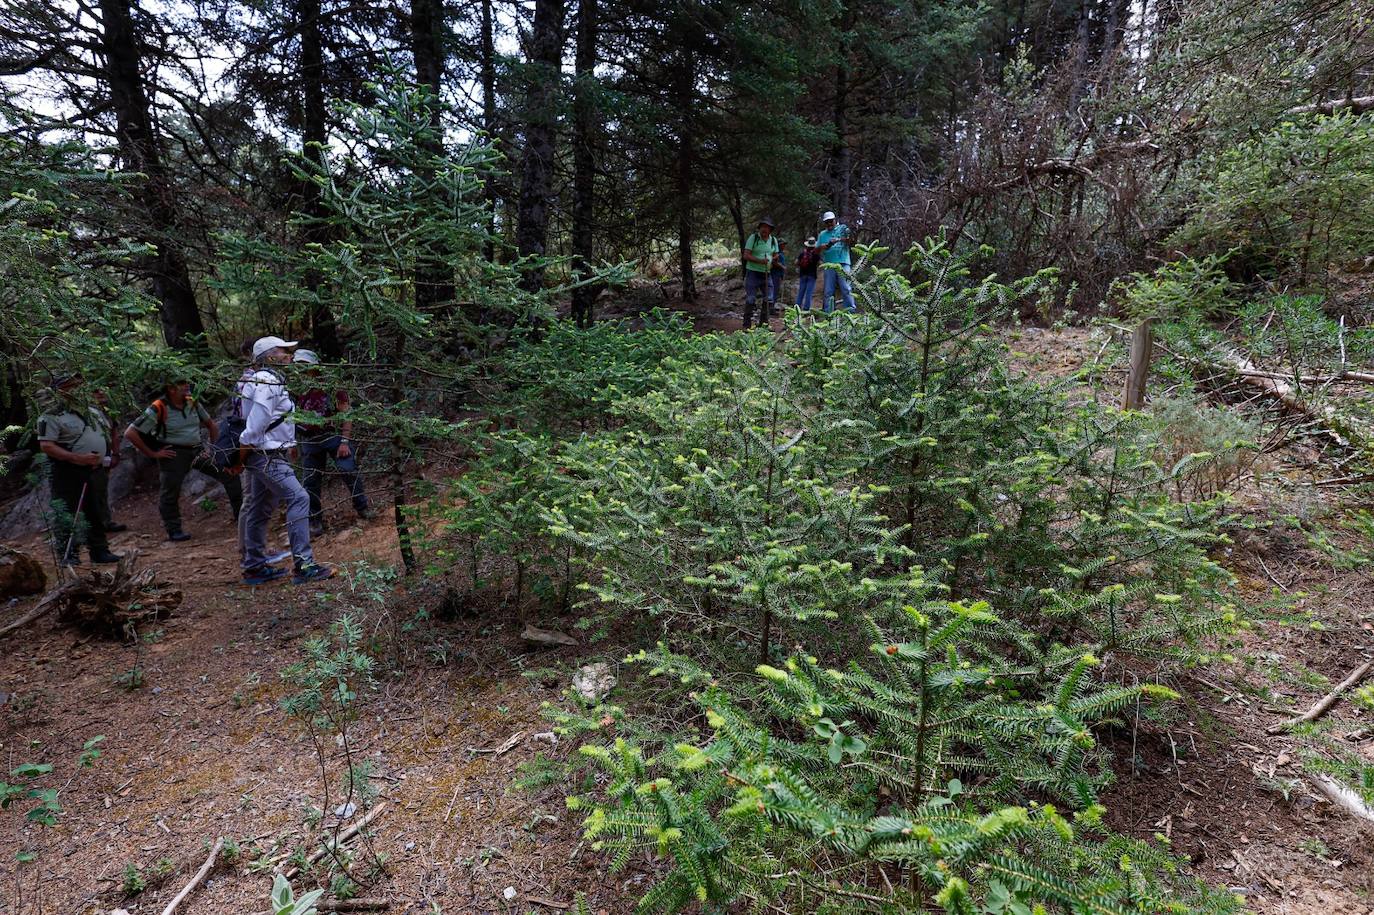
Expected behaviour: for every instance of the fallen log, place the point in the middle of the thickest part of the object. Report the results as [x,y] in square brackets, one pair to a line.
[1343,797]
[1323,705]
[51,601]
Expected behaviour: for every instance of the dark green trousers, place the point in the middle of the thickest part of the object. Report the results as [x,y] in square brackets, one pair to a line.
[72,490]
[172,473]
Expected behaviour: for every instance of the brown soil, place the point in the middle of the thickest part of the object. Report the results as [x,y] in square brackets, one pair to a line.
[202,748]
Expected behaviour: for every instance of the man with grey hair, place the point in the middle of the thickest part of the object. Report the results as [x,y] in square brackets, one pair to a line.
[266,445]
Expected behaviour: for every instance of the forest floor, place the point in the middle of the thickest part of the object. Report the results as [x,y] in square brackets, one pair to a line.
[196,746]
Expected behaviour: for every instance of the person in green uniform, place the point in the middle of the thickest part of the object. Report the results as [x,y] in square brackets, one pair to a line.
[100,480]
[75,438]
[169,432]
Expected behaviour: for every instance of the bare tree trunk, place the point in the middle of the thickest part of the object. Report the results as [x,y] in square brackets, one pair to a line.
[584,162]
[685,93]
[541,122]
[314,136]
[488,66]
[433,276]
[182,327]
[840,165]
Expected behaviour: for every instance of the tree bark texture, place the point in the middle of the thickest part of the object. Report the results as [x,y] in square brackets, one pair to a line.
[684,95]
[434,287]
[541,123]
[182,327]
[584,160]
[314,136]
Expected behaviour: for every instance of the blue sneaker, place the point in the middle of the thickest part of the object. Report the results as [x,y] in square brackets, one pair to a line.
[263,575]
[314,572]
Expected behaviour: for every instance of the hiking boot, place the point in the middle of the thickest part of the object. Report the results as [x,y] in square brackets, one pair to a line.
[104,557]
[313,572]
[263,575]
[178,536]
[115,528]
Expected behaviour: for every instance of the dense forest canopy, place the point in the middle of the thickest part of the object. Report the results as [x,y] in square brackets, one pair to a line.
[890,586]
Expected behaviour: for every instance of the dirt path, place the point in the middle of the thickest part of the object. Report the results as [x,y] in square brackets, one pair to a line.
[201,749]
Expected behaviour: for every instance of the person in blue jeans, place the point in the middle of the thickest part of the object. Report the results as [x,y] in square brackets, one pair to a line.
[759,251]
[321,444]
[807,263]
[833,243]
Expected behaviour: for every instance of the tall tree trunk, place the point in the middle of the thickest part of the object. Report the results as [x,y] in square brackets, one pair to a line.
[434,288]
[182,327]
[488,66]
[584,163]
[840,162]
[314,136]
[685,93]
[541,122]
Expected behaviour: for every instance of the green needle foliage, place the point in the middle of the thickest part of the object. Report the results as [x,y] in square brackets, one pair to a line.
[925,589]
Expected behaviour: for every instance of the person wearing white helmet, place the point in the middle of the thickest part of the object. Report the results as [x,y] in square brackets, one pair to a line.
[329,441]
[266,445]
[833,243]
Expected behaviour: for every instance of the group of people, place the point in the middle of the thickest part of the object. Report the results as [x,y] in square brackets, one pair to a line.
[824,260]
[253,455]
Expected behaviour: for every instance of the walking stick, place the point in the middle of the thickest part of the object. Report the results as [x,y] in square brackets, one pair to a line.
[80,501]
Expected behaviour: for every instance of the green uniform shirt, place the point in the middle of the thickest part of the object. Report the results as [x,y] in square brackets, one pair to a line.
[839,254]
[762,247]
[183,426]
[78,435]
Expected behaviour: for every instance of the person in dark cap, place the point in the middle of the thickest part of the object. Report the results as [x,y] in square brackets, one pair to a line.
[169,432]
[760,250]
[76,439]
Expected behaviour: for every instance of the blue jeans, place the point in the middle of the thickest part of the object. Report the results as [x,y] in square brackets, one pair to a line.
[837,278]
[315,458]
[774,286]
[271,482]
[806,287]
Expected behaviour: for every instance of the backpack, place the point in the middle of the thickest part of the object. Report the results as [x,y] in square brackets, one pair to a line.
[225,449]
[806,261]
[160,409]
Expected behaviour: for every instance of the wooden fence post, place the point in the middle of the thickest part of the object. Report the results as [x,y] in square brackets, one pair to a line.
[1142,348]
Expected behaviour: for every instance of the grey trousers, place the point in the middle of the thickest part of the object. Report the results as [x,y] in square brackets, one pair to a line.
[272,482]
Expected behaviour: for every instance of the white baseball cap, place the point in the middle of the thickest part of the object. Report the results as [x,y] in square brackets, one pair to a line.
[827,215]
[266,344]
[307,356]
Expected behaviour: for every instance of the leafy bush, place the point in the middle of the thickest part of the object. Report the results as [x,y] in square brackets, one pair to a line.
[1209,448]
[831,491]
[1295,201]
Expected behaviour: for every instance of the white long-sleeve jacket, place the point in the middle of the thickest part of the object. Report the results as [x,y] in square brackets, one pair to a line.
[264,401]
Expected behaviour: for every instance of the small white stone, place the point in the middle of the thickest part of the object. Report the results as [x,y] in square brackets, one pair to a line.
[509,893]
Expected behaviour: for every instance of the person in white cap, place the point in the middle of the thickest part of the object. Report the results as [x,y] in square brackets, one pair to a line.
[266,444]
[833,243]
